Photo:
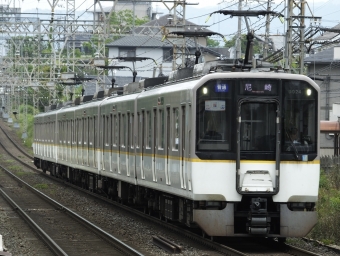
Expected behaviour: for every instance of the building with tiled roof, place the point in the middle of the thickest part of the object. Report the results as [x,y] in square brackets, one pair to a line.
[147,41]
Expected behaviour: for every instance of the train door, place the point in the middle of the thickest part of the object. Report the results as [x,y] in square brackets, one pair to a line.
[128,143]
[103,143]
[90,141]
[132,160]
[138,150]
[95,132]
[59,141]
[111,135]
[182,148]
[161,147]
[106,142]
[77,141]
[72,141]
[175,161]
[154,145]
[119,142]
[148,147]
[124,151]
[48,142]
[66,127]
[115,144]
[142,144]
[167,147]
[258,140]
[62,139]
[86,141]
[69,136]
[82,141]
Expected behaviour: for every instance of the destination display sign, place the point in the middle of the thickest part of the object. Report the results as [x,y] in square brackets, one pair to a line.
[258,88]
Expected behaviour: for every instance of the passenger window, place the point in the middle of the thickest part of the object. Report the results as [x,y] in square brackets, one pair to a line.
[107,131]
[161,129]
[132,119]
[123,129]
[175,129]
[114,130]
[138,129]
[148,129]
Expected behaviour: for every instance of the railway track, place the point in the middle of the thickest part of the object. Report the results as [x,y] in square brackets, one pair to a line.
[231,247]
[62,230]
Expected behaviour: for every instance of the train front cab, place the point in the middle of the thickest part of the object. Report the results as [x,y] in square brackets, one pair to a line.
[256,143]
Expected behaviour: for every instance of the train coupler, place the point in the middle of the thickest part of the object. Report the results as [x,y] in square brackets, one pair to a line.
[258,220]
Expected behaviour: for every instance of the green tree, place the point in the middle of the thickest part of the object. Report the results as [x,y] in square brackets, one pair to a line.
[125,18]
[257,47]
[25,46]
[121,22]
[212,42]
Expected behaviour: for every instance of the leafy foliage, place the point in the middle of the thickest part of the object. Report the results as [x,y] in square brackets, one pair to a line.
[256,47]
[212,43]
[25,46]
[126,18]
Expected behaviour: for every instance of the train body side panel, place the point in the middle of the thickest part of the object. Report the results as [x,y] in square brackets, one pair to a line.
[164,124]
[117,149]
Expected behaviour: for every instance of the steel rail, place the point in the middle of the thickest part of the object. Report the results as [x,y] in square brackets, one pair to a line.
[121,246]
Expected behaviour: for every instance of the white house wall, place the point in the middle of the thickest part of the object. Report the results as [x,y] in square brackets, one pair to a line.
[144,68]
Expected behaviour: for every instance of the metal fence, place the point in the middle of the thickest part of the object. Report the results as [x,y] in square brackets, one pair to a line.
[328,162]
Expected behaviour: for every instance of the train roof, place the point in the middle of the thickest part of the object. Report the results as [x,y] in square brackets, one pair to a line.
[184,79]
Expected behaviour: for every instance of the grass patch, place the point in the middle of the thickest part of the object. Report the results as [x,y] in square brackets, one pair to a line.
[41,186]
[21,173]
[15,168]
[328,208]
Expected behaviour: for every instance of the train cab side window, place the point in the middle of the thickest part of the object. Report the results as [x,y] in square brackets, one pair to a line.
[213,117]
[299,117]
[175,129]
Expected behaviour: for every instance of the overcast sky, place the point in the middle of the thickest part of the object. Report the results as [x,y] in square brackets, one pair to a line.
[329,10]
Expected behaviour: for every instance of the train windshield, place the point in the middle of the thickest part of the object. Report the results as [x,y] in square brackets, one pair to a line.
[258,104]
[213,116]
[258,126]
[299,117]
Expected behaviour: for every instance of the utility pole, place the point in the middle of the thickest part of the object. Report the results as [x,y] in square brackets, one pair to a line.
[266,40]
[295,35]
[239,28]
[177,23]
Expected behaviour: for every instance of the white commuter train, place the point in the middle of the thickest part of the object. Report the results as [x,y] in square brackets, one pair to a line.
[233,153]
